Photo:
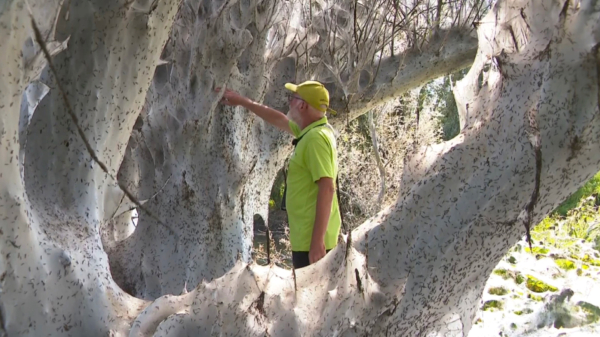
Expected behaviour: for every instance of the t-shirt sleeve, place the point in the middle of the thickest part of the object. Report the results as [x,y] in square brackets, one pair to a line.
[319,158]
[295,128]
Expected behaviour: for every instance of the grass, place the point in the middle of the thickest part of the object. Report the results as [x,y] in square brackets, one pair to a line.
[523,312]
[505,274]
[574,220]
[565,264]
[535,297]
[519,279]
[498,291]
[591,187]
[538,250]
[538,286]
[493,304]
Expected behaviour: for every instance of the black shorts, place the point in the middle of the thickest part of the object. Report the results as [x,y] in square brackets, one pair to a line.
[300,259]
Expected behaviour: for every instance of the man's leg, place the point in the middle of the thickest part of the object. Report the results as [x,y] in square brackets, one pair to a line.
[300,259]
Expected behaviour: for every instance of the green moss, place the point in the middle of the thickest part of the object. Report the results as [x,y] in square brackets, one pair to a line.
[547,224]
[525,311]
[538,286]
[585,258]
[519,279]
[493,304]
[498,291]
[535,297]
[505,274]
[512,260]
[565,264]
[585,267]
[537,250]
[594,263]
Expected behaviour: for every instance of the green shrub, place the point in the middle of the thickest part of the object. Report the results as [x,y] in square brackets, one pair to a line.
[538,286]
[595,263]
[512,260]
[505,274]
[535,297]
[523,312]
[537,250]
[519,279]
[565,264]
[493,304]
[579,272]
[498,291]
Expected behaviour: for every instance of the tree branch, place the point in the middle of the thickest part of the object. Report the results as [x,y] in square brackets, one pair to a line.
[451,51]
[378,160]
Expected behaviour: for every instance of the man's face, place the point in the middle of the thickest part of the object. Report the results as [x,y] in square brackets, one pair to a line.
[294,113]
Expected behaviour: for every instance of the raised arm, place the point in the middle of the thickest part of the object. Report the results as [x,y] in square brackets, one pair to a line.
[270,115]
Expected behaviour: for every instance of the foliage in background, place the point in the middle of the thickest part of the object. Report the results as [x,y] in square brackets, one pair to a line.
[439,97]
[577,219]
[400,128]
[592,187]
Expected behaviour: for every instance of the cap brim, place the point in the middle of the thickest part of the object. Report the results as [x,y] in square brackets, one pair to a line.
[291,87]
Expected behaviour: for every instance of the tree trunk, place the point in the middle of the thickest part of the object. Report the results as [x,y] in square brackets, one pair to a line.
[54,273]
[529,140]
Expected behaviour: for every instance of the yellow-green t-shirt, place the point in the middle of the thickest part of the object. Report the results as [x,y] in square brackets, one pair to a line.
[315,157]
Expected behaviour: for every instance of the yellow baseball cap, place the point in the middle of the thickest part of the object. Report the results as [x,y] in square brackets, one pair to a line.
[314,93]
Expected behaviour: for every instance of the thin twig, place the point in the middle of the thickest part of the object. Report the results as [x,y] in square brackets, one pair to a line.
[40,41]
[152,197]
[268,245]
[377,159]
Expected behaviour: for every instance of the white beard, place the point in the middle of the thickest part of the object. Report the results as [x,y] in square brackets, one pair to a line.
[293,115]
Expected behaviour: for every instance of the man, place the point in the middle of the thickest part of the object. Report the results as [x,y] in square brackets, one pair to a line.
[312,207]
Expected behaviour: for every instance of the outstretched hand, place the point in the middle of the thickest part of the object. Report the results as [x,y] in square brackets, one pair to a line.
[232,98]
